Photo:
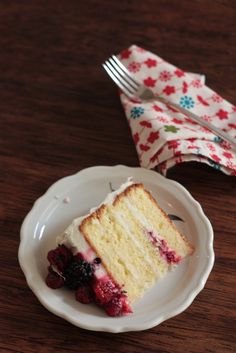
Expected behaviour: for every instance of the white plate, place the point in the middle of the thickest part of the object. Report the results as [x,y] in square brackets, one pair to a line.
[52,213]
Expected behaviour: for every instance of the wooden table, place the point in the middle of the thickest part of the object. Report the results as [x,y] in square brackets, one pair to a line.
[60,113]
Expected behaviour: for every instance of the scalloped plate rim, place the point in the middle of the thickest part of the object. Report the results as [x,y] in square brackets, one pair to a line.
[131,327]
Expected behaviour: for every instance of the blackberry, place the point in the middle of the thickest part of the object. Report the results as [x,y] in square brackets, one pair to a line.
[78,273]
[97,261]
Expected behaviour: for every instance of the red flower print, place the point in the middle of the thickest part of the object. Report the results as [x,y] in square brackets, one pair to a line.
[134,66]
[222,114]
[234,109]
[206,118]
[125,54]
[156,155]
[211,147]
[153,158]
[165,76]
[177,153]
[157,108]
[179,73]
[153,136]
[185,87]
[173,144]
[233,126]
[140,50]
[192,139]
[144,147]
[146,123]
[178,160]
[149,82]
[215,158]
[226,145]
[204,129]
[196,83]
[227,155]
[150,63]
[191,147]
[169,90]
[162,119]
[230,165]
[163,167]
[177,121]
[216,98]
[136,138]
[202,101]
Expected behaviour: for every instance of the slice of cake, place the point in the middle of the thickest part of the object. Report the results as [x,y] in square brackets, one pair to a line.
[118,251]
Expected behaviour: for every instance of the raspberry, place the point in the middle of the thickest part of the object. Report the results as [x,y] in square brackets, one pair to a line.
[78,256]
[84,295]
[104,291]
[126,309]
[54,280]
[78,273]
[60,257]
[118,306]
[114,307]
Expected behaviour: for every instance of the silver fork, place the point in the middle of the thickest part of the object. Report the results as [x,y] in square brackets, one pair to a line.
[134,89]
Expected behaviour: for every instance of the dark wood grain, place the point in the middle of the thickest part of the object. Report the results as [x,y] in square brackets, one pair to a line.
[60,113]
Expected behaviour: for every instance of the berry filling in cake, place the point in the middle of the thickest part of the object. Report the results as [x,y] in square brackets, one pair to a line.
[161,245]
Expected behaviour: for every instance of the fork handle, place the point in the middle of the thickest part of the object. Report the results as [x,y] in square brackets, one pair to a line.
[200,121]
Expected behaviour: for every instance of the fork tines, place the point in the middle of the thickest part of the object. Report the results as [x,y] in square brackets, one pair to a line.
[121,76]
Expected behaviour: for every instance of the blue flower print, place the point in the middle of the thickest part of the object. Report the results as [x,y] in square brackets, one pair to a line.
[214,164]
[136,112]
[218,139]
[186,102]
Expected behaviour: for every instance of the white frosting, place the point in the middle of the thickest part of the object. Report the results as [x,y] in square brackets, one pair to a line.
[137,214]
[74,239]
[112,195]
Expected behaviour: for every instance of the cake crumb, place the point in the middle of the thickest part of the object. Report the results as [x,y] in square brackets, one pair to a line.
[66,199]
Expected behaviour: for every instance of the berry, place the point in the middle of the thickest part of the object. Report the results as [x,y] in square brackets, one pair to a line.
[54,280]
[126,309]
[97,261]
[84,294]
[114,307]
[60,257]
[78,256]
[118,306]
[78,273]
[104,291]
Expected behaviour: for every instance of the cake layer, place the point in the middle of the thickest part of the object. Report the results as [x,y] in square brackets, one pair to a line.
[135,240]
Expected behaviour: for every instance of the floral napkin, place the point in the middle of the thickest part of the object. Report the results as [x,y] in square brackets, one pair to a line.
[163,136]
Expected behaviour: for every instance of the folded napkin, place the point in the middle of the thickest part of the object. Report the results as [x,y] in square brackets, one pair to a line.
[163,136]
